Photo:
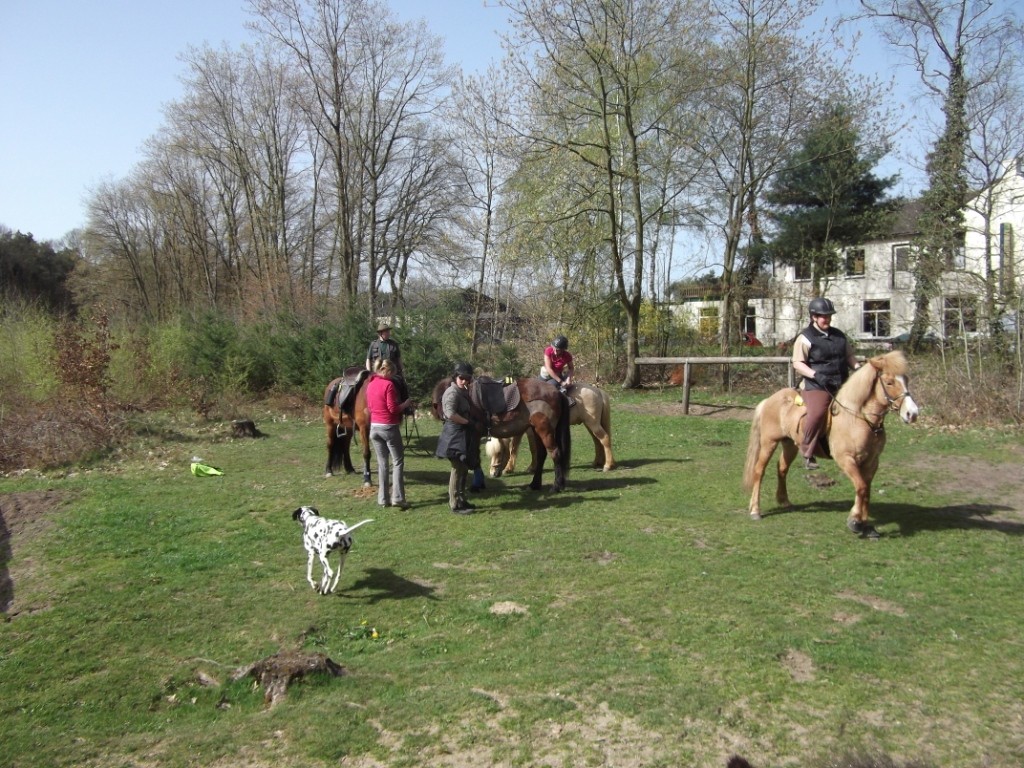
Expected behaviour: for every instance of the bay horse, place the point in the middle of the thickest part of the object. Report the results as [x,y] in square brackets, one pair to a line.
[855,432]
[345,416]
[541,411]
[592,409]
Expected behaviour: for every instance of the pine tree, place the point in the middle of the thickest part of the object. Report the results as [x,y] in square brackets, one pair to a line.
[827,197]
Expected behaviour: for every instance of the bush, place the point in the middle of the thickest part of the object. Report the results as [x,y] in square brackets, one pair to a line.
[27,373]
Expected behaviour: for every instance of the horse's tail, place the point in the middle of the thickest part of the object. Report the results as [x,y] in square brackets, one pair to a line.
[563,437]
[606,413]
[333,419]
[753,447]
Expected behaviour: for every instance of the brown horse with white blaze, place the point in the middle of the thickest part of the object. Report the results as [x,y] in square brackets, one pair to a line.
[543,410]
[855,432]
[592,409]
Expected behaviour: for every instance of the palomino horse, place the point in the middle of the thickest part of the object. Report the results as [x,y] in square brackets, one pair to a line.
[855,432]
[592,409]
[343,417]
[541,410]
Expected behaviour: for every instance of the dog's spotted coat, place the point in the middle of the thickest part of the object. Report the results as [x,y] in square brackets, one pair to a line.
[320,537]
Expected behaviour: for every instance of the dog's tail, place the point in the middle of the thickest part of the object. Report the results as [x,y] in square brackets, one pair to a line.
[353,527]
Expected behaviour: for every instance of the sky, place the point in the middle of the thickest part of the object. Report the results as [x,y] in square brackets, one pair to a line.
[83,86]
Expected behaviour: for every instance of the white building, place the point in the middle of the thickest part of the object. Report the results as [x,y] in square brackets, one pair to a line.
[872,286]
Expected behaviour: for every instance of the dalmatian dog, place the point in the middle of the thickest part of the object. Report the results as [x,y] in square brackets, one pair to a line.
[320,537]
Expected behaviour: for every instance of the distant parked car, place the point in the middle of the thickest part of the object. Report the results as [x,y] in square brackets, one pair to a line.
[930,339]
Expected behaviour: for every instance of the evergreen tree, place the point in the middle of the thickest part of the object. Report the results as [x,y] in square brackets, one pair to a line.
[32,271]
[827,197]
[942,218]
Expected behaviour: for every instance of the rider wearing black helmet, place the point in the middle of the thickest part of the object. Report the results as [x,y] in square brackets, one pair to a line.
[823,357]
[558,367]
[455,443]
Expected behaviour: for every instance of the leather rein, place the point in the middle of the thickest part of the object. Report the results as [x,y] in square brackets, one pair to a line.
[893,404]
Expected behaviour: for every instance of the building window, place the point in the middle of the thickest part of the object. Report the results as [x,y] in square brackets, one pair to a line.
[827,265]
[957,258]
[876,318]
[749,320]
[708,323]
[821,265]
[959,316]
[855,262]
[901,258]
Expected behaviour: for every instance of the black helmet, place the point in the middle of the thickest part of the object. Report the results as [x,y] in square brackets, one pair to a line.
[463,369]
[820,306]
[560,342]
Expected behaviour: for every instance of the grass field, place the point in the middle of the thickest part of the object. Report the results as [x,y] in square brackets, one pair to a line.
[636,619]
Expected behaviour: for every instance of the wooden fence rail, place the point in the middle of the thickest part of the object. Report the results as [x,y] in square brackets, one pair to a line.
[689,362]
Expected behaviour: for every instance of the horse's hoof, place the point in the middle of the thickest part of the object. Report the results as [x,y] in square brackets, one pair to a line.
[863,530]
[328,474]
[755,515]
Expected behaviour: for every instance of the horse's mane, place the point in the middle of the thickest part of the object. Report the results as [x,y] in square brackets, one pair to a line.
[857,388]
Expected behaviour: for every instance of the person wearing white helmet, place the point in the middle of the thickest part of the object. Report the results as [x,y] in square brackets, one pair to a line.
[823,357]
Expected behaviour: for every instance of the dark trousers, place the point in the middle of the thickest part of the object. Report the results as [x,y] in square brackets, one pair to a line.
[457,483]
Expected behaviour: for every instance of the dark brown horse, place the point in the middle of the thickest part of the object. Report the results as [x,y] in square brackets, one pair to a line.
[343,418]
[541,409]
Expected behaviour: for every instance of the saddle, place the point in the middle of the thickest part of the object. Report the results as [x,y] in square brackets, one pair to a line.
[497,398]
[343,391]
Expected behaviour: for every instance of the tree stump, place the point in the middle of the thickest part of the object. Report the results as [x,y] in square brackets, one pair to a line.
[244,428]
[275,673]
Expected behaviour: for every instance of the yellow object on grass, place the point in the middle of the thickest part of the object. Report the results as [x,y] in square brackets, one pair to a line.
[204,470]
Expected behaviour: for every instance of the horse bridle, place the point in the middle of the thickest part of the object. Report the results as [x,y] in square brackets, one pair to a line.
[893,404]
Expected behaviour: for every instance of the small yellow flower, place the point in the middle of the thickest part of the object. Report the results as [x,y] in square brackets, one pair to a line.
[374,635]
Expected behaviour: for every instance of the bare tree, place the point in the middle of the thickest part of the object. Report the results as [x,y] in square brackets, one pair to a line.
[238,122]
[771,82]
[484,148]
[368,84]
[957,47]
[602,78]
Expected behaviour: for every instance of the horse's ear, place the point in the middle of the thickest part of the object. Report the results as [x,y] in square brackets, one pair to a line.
[877,362]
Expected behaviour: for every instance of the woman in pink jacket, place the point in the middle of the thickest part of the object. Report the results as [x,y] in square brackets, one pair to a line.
[386,435]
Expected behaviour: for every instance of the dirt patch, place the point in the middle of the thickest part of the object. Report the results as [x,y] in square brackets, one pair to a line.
[873,602]
[706,410]
[977,481]
[23,518]
[508,607]
[799,666]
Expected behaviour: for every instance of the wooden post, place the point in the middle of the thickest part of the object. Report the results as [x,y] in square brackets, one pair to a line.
[686,388]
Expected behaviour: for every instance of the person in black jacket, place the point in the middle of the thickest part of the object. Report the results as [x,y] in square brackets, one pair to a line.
[384,348]
[823,357]
[456,442]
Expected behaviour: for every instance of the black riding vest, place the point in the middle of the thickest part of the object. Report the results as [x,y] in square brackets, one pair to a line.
[827,356]
[383,349]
